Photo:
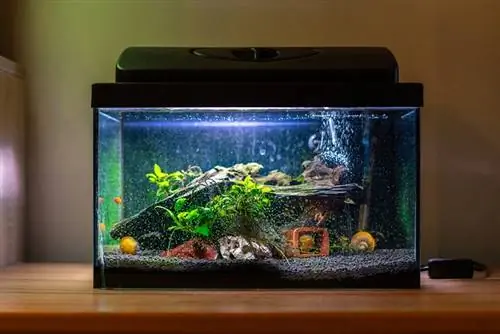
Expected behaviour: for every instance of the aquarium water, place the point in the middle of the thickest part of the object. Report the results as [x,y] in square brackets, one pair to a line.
[256,197]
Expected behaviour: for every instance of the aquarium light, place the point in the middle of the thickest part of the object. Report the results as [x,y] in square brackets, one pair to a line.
[216,124]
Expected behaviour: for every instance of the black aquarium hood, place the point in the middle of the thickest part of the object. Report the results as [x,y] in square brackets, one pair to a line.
[257,64]
[196,77]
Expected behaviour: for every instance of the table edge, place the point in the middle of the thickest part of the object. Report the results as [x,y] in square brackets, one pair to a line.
[277,322]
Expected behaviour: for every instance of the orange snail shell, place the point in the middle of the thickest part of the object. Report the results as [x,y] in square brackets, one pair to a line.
[363,241]
[128,245]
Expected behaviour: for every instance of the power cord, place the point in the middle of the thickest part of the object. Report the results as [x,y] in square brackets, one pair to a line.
[442,268]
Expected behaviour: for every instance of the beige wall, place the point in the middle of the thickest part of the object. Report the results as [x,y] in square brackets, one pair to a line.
[12,163]
[450,45]
[8,14]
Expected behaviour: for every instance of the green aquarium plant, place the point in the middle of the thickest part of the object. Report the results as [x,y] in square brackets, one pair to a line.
[245,210]
[168,183]
[242,208]
[341,245]
[194,221]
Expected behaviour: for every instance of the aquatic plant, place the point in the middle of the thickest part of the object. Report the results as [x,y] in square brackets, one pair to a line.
[299,179]
[242,207]
[165,182]
[196,221]
[168,183]
[244,210]
[341,245]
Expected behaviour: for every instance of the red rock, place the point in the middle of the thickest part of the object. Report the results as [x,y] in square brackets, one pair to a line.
[193,249]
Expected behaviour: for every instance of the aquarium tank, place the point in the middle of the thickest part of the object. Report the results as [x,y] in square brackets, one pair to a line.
[256,168]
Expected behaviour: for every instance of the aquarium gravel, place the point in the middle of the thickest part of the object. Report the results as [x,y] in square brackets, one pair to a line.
[339,267]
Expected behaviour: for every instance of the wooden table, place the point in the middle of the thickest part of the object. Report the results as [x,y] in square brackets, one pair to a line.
[59,298]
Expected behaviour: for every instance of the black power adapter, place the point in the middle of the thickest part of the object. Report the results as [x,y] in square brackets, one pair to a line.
[441,268]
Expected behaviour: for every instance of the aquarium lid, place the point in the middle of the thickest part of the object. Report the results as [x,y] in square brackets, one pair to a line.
[257,64]
[256,95]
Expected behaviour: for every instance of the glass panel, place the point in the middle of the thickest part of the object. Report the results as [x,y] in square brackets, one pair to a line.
[270,197]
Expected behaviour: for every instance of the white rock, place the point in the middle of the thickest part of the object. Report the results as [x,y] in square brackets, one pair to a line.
[238,248]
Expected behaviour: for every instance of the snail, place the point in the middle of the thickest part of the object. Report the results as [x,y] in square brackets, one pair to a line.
[363,241]
[128,245]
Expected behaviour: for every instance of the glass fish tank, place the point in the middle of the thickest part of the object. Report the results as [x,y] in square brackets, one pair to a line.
[210,176]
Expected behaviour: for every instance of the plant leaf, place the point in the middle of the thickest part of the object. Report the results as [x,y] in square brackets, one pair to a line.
[255,192]
[182,215]
[163,184]
[176,175]
[266,189]
[203,230]
[208,212]
[158,171]
[179,203]
[172,216]
[193,215]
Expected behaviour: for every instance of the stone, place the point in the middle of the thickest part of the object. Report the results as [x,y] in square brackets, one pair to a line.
[318,173]
[275,177]
[238,248]
[193,249]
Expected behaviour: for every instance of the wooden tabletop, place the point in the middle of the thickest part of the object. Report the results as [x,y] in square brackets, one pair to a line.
[60,298]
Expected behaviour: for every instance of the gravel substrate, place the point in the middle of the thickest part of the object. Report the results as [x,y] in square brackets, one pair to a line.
[338,267]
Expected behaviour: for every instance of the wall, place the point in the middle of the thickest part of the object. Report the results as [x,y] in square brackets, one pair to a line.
[12,163]
[8,14]
[450,45]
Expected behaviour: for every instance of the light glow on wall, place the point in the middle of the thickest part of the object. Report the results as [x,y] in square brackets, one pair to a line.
[9,174]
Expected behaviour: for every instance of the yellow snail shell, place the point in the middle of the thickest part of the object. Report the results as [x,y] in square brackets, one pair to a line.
[363,241]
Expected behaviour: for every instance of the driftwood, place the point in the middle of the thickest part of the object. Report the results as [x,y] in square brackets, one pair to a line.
[149,226]
[310,190]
